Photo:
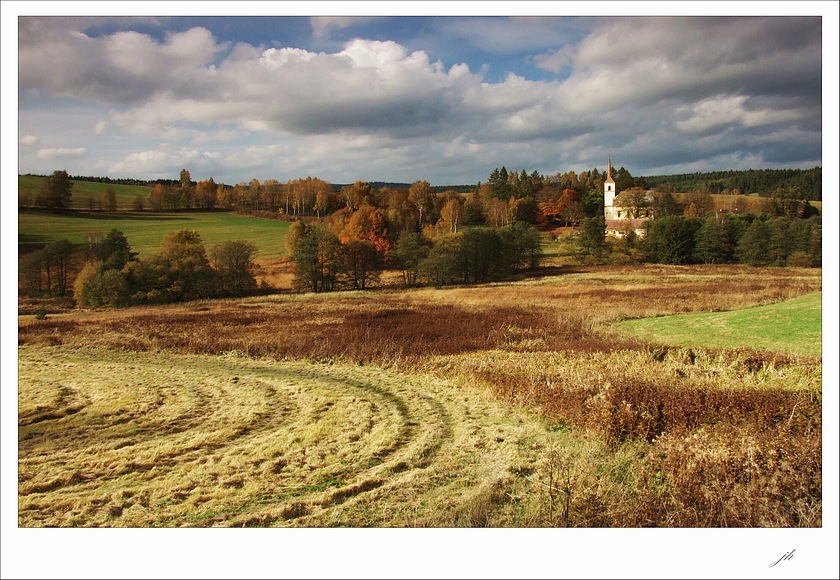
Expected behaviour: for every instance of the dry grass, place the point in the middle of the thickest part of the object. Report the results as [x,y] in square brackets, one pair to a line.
[160,439]
[410,409]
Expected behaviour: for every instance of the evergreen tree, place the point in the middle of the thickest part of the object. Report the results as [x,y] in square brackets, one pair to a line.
[591,237]
[712,242]
[754,245]
[671,240]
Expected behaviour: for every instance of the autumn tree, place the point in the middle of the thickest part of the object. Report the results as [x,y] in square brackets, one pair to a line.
[180,271]
[205,193]
[157,198]
[569,209]
[700,204]
[401,213]
[187,192]
[96,286]
[420,193]
[326,200]
[235,268]
[271,194]
[352,196]
[225,196]
[297,230]
[451,215]
[364,245]
[634,201]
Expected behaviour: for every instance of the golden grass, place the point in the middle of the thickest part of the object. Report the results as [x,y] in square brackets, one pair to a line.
[502,405]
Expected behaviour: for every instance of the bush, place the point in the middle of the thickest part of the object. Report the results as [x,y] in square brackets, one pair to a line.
[97,286]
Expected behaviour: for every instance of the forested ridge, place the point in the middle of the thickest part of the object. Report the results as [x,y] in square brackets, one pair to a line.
[761,181]
[750,181]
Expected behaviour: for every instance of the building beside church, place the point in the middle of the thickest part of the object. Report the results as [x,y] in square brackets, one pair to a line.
[618,211]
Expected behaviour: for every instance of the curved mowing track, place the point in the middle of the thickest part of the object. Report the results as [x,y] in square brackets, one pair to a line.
[109,438]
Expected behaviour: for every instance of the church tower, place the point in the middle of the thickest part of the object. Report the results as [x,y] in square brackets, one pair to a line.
[609,193]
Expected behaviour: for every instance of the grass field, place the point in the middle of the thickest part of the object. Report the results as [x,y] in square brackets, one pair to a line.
[145,230]
[507,405]
[793,326]
[83,192]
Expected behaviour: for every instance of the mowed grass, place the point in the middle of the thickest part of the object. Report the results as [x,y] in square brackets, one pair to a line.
[793,326]
[146,230]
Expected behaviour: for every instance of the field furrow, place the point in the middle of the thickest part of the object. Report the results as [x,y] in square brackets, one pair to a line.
[183,440]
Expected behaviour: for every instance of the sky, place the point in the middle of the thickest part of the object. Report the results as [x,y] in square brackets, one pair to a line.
[446,99]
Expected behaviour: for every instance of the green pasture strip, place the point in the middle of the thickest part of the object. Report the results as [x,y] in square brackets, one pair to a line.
[793,326]
[30,185]
[145,230]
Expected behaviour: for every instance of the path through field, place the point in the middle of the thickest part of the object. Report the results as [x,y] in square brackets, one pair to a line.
[119,438]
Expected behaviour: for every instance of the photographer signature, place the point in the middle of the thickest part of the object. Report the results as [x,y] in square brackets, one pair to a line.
[787,556]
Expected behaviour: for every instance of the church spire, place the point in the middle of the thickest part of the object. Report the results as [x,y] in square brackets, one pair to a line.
[609,168]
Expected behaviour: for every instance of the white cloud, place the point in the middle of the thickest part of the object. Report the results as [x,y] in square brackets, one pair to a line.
[631,86]
[730,109]
[61,153]
[29,140]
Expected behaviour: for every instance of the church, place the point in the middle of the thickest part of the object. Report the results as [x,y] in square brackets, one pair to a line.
[617,215]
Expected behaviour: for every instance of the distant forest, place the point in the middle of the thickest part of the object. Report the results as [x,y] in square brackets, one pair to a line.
[759,181]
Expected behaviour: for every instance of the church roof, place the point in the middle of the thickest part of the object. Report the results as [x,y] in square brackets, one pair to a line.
[621,224]
[609,178]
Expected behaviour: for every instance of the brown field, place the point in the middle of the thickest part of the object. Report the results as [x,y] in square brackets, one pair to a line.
[506,405]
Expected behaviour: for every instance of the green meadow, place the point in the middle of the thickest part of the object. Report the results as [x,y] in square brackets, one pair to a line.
[83,192]
[145,230]
[793,326]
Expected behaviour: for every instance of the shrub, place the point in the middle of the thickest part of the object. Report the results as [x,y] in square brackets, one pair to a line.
[97,286]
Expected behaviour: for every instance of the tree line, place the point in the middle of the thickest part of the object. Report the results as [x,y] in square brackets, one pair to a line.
[562,199]
[753,239]
[761,181]
[105,272]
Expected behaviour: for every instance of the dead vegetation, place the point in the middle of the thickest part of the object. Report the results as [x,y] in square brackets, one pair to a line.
[414,408]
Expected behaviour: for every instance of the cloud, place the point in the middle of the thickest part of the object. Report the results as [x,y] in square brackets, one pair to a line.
[634,88]
[29,140]
[724,110]
[120,68]
[61,153]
